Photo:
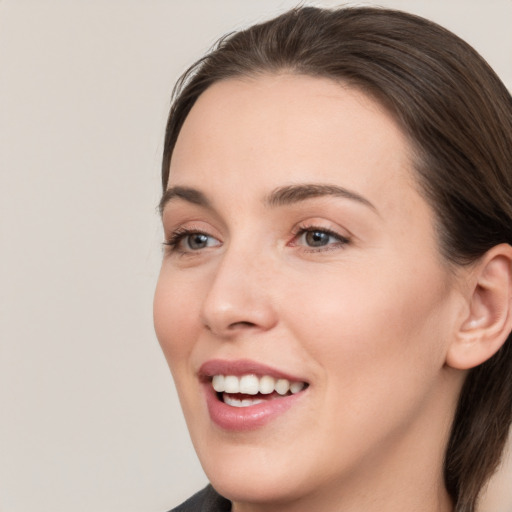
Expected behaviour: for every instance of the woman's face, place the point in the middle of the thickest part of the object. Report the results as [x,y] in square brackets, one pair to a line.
[304,266]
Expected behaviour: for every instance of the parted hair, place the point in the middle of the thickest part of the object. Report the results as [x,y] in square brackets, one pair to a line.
[457,115]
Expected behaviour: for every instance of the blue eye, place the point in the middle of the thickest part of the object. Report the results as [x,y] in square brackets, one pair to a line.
[317,238]
[184,240]
[196,241]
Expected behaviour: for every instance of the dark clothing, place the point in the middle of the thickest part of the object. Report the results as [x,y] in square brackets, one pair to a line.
[207,500]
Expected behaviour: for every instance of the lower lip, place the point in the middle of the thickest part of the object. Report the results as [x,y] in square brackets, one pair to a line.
[246,418]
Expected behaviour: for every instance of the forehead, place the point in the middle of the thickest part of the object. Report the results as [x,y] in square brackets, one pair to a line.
[246,137]
[281,124]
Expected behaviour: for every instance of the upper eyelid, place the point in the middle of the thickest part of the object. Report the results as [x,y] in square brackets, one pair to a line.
[174,218]
[174,224]
[323,225]
[182,232]
[341,239]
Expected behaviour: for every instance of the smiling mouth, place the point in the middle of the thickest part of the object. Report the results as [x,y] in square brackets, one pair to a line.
[250,389]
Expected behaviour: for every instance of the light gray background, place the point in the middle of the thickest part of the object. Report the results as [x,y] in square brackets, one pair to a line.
[89,420]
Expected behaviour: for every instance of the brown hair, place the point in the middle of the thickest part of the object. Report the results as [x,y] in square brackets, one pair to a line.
[458,116]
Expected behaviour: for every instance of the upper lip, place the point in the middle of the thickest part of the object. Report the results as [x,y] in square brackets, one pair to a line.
[243,367]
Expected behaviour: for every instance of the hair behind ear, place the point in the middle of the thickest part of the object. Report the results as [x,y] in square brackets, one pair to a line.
[484,346]
[477,438]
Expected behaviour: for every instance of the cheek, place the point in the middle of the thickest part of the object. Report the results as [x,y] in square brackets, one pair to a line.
[174,318]
[378,355]
[373,325]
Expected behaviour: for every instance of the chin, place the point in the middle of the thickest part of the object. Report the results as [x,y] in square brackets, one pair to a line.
[249,487]
[257,474]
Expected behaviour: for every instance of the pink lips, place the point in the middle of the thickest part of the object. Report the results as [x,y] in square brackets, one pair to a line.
[244,418]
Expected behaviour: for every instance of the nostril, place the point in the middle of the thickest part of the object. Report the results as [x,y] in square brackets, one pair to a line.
[234,325]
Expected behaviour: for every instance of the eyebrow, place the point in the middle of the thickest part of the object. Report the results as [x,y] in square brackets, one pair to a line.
[291,194]
[188,194]
[282,196]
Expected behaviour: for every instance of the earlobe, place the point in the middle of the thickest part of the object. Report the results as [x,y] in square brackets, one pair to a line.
[489,319]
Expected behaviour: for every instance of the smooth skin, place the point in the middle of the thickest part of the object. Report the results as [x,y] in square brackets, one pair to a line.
[347,290]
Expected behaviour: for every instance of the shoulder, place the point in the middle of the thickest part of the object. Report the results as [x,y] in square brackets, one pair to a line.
[207,500]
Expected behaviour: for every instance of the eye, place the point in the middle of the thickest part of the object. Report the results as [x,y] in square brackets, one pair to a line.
[185,240]
[318,238]
[197,241]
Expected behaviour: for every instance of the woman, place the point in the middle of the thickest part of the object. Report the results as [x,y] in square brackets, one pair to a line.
[334,300]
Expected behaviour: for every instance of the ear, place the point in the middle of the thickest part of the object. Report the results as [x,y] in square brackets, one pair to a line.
[488,321]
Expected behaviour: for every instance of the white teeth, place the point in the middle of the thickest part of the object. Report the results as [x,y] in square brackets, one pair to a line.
[282,386]
[231,384]
[218,383]
[236,402]
[251,384]
[295,387]
[267,384]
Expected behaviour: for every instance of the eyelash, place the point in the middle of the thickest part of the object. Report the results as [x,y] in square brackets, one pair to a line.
[302,230]
[180,234]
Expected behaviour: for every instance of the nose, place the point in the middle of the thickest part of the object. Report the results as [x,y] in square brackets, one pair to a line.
[239,298]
